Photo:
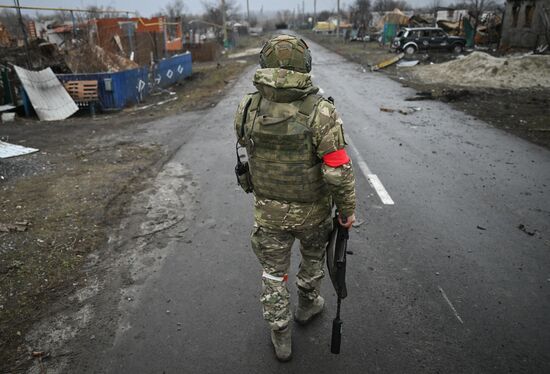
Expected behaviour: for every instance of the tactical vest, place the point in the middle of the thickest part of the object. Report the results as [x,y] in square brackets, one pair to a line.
[279,142]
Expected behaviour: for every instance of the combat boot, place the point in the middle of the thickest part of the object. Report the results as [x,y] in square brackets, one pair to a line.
[282,342]
[307,309]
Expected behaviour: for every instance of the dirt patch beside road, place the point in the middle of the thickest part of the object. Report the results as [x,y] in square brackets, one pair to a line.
[68,196]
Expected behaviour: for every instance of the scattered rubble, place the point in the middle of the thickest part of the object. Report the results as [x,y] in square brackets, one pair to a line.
[388,62]
[41,54]
[8,117]
[92,59]
[17,226]
[408,110]
[524,228]
[407,64]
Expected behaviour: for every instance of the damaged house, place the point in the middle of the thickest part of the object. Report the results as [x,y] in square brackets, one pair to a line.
[526,24]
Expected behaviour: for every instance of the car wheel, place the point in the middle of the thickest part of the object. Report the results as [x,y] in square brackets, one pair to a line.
[458,48]
[410,49]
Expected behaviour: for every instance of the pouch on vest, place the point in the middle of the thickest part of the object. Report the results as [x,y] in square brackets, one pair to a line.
[242,171]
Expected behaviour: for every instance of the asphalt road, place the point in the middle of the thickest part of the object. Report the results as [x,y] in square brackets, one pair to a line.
[443,280]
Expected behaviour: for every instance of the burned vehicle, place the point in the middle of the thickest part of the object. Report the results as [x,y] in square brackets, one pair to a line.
[411,40]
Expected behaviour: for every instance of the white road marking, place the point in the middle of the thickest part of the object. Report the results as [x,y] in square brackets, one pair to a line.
[373,179]
[450,304]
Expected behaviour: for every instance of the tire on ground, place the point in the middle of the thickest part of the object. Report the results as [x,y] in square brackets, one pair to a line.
[457,48]
[410,49]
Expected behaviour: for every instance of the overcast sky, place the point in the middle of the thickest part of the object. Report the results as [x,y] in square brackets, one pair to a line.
[147,7]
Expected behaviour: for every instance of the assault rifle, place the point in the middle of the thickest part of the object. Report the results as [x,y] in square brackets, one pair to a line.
[336,263]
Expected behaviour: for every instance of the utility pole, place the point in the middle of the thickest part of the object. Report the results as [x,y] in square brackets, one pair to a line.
[248,12]
[314,13]
[225,41]
[24,30]
[338,20]
[73,20]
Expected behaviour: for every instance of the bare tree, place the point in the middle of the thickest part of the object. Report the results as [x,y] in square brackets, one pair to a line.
[213,11]
[360,13]
[10,21]
[101,12]
[461,4]
[476,9]
[174,10]
[62,16]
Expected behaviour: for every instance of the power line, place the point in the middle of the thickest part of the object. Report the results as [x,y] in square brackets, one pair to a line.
[19,7]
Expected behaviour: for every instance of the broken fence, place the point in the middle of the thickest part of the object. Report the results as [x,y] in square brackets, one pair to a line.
[123,88]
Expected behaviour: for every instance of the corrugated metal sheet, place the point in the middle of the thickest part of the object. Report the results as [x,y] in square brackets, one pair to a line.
[47,95]
[132,86]
[11,150]
[173,70]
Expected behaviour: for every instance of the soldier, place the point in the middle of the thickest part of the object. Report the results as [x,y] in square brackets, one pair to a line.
[298,168]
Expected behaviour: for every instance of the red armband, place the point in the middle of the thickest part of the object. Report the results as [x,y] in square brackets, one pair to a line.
[336,158]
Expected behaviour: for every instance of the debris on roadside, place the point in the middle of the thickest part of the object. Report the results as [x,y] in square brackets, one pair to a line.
[446,95]
[8,150]
[8,117]
[481,228]
[18,226]
[406,111]
[38,354]
[386,63]
[4,108]
[407,64]
[524,228]
[88,58]
[424,95]
[156,104]
[409,110]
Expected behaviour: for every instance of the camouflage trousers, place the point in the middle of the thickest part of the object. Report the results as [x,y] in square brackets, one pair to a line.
[273,249]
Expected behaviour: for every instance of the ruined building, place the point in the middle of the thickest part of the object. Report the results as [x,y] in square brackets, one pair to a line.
[526,24]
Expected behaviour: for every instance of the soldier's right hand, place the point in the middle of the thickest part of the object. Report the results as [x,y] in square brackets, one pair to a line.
[348,223]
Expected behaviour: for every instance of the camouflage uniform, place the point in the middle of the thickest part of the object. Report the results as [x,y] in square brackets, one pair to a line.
[278,222]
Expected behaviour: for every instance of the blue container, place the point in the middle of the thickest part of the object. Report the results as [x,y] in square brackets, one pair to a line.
[173,70]
[128,87]
[116,90]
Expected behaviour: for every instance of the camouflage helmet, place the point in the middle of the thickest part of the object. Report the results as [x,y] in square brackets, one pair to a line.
[287,52]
